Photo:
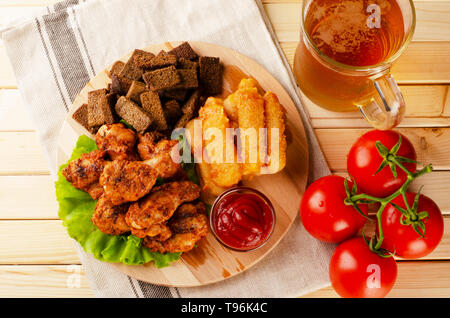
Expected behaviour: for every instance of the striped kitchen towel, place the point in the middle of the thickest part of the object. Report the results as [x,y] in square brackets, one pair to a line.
[56,52]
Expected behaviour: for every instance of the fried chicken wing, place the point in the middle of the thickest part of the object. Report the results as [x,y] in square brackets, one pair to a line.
[117,141]
[109,218]
[189,218]
[161,160]
[189,224]
[127,181]
[153,244]
[183,242]
[147,143]
[155,149]
[84,173]
[159,232]
[159,205]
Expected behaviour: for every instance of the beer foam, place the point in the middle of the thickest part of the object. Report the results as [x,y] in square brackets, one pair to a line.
[343,28]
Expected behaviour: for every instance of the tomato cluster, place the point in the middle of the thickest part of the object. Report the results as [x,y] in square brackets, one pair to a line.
[382,165]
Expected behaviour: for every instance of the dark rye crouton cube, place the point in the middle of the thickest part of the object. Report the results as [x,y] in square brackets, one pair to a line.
[188,79]
[184,50]
[133,114]
[142,58]
[149,100]
[81,116]
[135,91]
[161,60]
[116,68]
[152,105]
[112,100]
[183,121]
[120,84]
[178,94]
[172,111]
[164,78]
[192,104]
[99,108]
[130,70]
[210,75]
[187,64]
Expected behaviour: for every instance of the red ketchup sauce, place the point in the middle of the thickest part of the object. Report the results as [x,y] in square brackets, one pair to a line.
[243,221]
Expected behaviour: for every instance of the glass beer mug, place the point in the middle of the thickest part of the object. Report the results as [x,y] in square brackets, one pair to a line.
[346,49]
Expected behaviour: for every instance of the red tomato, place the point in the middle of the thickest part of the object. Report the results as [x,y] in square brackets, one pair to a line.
[364,160]
[356,271]
[324,214]
[403,239]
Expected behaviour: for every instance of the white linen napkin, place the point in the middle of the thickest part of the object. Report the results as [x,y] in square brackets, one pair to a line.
[55,53]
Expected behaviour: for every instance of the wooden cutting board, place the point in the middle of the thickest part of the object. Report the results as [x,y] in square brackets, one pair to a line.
[211,262]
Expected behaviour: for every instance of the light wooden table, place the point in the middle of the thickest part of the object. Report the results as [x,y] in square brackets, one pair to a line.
[38,259]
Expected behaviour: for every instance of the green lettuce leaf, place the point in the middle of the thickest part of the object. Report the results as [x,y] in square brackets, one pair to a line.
[75,210]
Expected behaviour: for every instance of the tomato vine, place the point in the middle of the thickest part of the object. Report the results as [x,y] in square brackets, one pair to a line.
[410,216]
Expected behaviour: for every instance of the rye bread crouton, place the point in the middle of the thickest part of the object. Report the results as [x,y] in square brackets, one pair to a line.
[187,64]
[183,121]
[189,109]
[115,86]
[159,61]
[142,58]
[210,75]
[164,78]
[112,100]
[188,79]
[130,70]
[133,114]
[184,50]
[149,100]
[135,91]
[99,108]
[178,94]
[172,110]
[120,84]
[81,116]
[152,105]
[192,105]
[116,68]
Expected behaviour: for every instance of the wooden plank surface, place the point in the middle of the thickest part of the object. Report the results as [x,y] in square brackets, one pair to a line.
[43,281]
[33,238]
[39,191]
[24,154]
[36,242]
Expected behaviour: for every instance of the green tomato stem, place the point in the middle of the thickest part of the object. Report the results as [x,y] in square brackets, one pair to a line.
[385,201]
[380,237]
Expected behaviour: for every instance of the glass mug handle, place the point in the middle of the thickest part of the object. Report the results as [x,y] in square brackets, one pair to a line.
[386,108]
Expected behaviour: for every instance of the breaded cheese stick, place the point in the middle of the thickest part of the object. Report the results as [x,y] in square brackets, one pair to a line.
[250,109]
[276,139]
